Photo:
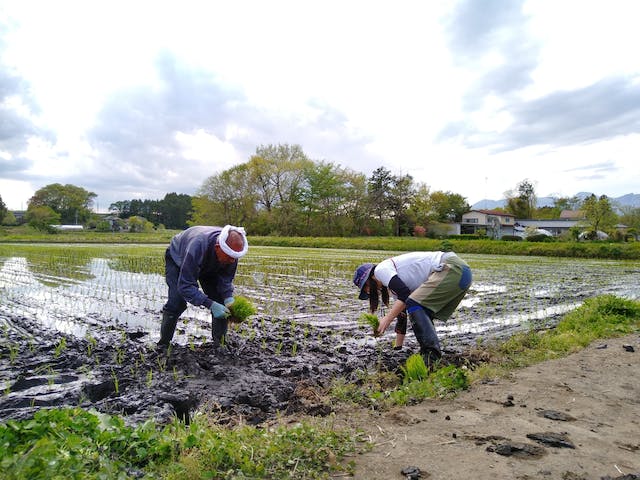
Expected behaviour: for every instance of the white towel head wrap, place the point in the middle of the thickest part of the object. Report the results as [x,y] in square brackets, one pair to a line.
[222,241]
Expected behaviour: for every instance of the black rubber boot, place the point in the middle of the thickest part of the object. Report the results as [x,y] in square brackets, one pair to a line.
[219,330]
[426,335]
[168,327]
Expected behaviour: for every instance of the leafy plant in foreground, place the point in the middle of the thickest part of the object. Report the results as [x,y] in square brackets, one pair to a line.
[74,443]
[77,444]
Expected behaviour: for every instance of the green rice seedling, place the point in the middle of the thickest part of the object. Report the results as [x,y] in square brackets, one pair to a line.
[91,343]
[119,356]
[116,383]
[414,368]
[372,320]
[162,363]
[13,352]
[241,309]
[62,345]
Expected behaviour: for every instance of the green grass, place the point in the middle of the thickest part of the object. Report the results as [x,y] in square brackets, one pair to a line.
[77,444]
[604,316]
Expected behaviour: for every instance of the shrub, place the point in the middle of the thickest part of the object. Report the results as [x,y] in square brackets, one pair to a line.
[539,238]
[511,238]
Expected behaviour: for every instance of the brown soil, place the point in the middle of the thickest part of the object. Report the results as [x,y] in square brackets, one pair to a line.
[485,433]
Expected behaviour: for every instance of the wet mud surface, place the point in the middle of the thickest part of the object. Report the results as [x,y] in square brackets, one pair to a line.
[250,378]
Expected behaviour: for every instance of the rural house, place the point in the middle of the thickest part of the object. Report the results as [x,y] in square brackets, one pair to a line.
[494,222]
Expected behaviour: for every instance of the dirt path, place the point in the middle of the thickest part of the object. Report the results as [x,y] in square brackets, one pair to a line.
[598,388]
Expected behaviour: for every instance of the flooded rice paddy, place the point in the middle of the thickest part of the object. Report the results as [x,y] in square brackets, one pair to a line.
[79,326]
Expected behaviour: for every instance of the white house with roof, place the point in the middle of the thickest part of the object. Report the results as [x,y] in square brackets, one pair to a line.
[495,223]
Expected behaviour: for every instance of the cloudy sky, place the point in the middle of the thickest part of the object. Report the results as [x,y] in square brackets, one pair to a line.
[136,99]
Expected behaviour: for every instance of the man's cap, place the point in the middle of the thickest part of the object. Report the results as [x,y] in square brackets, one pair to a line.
[363,272]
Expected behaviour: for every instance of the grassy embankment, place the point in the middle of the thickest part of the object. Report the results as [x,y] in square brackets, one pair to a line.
[596,249]
[73,443]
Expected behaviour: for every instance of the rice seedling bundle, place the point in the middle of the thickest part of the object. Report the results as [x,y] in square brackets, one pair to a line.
[241,309]
[372,320]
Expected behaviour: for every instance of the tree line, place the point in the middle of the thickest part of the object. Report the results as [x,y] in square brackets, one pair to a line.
[280,191]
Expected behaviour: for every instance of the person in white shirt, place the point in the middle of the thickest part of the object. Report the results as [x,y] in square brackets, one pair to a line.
[427,284]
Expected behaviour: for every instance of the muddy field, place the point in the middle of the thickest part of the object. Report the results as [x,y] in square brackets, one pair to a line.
[78,329]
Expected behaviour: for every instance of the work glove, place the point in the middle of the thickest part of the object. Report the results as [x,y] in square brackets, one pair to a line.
[228,301]
[219,311]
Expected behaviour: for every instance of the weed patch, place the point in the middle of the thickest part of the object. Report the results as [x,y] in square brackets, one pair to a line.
[74,443]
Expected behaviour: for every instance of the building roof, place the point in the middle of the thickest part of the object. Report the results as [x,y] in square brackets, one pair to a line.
[559,223]
[572,214]
[495,212]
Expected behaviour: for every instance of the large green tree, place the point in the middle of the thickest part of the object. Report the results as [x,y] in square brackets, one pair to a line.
[379,189]
[355,207]
[400,198]
[630,217]
[175,210]
[42,218]
[523,201]
[323,198]
[225,198]
[599,213]
[421,210]
[448,207]
[277,175]
[71,202]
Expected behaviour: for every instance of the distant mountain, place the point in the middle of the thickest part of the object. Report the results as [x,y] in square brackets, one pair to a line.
[628,200]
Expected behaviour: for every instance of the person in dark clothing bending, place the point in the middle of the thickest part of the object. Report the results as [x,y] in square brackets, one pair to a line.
[202,257]
[427,285]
